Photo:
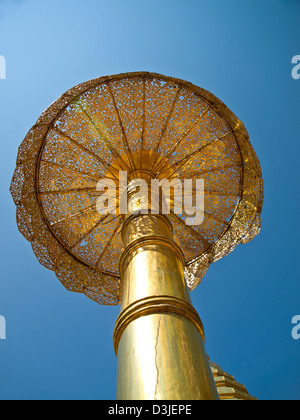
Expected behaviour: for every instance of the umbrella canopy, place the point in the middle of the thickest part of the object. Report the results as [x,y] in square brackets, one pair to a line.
[135,123]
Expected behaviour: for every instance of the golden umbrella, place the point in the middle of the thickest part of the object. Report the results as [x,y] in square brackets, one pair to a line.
[158,132]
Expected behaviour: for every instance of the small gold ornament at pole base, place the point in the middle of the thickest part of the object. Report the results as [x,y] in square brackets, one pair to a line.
[151,127]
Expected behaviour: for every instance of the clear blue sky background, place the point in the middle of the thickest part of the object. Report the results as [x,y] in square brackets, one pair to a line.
[59,344]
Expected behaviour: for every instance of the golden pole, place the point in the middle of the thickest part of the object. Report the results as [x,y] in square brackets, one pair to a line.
[158,335]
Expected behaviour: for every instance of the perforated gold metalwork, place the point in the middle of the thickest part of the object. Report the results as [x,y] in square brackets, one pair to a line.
[113,123]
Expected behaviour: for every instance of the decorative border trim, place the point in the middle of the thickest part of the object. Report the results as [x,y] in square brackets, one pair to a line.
[155,305]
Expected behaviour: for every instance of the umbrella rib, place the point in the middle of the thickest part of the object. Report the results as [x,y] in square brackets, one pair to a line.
[223,222]
[66,191]
[109,242]
[215,192]
[216,169]
[164,129]
[189,129]
[106,140]
[59,165]
[182,161]
[124,137]
[143,120]
[88,232]
[83,148]
[192,231]
[220,194]
[78,213]
[184,136]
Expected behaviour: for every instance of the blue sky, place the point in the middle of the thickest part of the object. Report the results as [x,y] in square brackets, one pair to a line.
[59,344]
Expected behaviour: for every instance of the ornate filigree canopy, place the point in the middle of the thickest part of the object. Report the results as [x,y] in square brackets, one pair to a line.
[132,122]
